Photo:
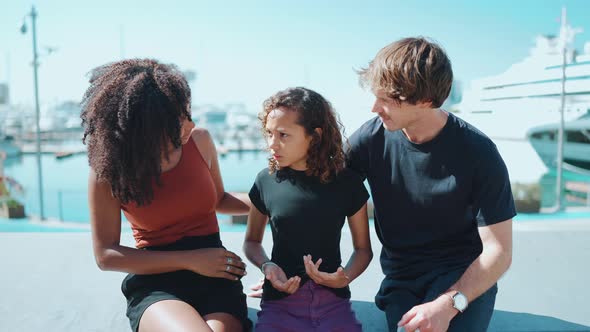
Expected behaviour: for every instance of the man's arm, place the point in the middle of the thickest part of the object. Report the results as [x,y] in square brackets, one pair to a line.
[493,198]
[482,274]
[494,260]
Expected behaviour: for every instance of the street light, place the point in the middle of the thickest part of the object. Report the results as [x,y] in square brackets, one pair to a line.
[23,30]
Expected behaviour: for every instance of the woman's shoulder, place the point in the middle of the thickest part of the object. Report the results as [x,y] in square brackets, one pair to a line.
[204,143]
[201,136]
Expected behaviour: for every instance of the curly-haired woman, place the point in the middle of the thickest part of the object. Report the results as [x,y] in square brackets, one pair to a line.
[148,160]
[307,194]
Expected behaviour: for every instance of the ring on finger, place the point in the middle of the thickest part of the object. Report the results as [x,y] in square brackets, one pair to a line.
[417,329]
[227,268]
[229,260]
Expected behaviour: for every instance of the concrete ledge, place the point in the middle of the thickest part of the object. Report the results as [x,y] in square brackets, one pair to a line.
[50,282]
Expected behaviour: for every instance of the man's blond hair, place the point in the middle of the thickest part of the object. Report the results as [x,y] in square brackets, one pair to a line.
[411,70]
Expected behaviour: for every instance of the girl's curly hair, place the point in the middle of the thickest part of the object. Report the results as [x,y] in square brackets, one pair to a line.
[325,155]
[131,112]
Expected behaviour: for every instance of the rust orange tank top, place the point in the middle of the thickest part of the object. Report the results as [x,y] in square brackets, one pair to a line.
[183,206]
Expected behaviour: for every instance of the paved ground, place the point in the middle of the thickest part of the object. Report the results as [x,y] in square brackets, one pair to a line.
[49,282]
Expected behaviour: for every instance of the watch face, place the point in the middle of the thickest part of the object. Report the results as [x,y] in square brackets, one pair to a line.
[460,301]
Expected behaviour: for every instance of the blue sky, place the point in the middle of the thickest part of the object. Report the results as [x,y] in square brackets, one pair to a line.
[243,51]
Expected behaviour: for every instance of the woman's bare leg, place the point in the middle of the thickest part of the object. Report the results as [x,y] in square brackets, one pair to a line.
[223,322]
[172,315]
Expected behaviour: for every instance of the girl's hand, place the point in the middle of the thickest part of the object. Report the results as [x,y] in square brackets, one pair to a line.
[256,289]
[338,279]
[278,279]
[216,262]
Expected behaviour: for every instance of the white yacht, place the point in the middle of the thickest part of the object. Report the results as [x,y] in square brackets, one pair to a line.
[576,144]
[528,94]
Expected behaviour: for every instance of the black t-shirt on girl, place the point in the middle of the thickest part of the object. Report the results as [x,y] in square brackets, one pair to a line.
[306,217]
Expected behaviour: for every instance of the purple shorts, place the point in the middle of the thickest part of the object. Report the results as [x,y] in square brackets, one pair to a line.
[311,308]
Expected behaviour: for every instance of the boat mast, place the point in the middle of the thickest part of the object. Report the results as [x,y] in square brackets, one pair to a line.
[559,182]
[566,42]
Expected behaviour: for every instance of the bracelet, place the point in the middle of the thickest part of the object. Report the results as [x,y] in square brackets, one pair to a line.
[265,263]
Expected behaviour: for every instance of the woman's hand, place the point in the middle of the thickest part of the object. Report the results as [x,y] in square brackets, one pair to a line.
[338,279]
[278,279]
[216,262]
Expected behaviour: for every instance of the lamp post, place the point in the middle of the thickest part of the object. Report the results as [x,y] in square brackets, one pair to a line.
[23,29]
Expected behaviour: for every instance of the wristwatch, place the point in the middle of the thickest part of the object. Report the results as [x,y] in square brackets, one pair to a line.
[460,301]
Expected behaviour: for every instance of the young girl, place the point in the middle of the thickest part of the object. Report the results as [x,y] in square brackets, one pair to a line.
[306,193]
[149,161]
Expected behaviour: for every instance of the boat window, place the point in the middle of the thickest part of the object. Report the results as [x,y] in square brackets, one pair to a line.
[576,136]
[545,135]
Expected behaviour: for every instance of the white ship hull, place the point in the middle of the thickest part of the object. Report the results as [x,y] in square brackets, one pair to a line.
[528,95]
[576,146]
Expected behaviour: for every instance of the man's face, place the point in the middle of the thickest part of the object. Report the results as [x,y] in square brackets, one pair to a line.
[393,113]
[396,114]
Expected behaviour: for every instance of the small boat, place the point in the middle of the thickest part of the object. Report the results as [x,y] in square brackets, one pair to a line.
[63,154]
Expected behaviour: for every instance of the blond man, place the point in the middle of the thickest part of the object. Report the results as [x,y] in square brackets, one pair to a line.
[443,204]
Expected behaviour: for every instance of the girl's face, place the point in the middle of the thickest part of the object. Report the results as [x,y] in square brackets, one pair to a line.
[287,140]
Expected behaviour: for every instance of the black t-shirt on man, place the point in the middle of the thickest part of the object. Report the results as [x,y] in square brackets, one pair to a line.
[306,217]
[430,198]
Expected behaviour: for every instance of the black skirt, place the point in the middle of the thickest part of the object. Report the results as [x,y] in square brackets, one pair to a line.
[206,294]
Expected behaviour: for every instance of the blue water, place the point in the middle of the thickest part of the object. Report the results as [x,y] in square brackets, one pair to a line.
[65,190]
[24,225]
[65,181]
